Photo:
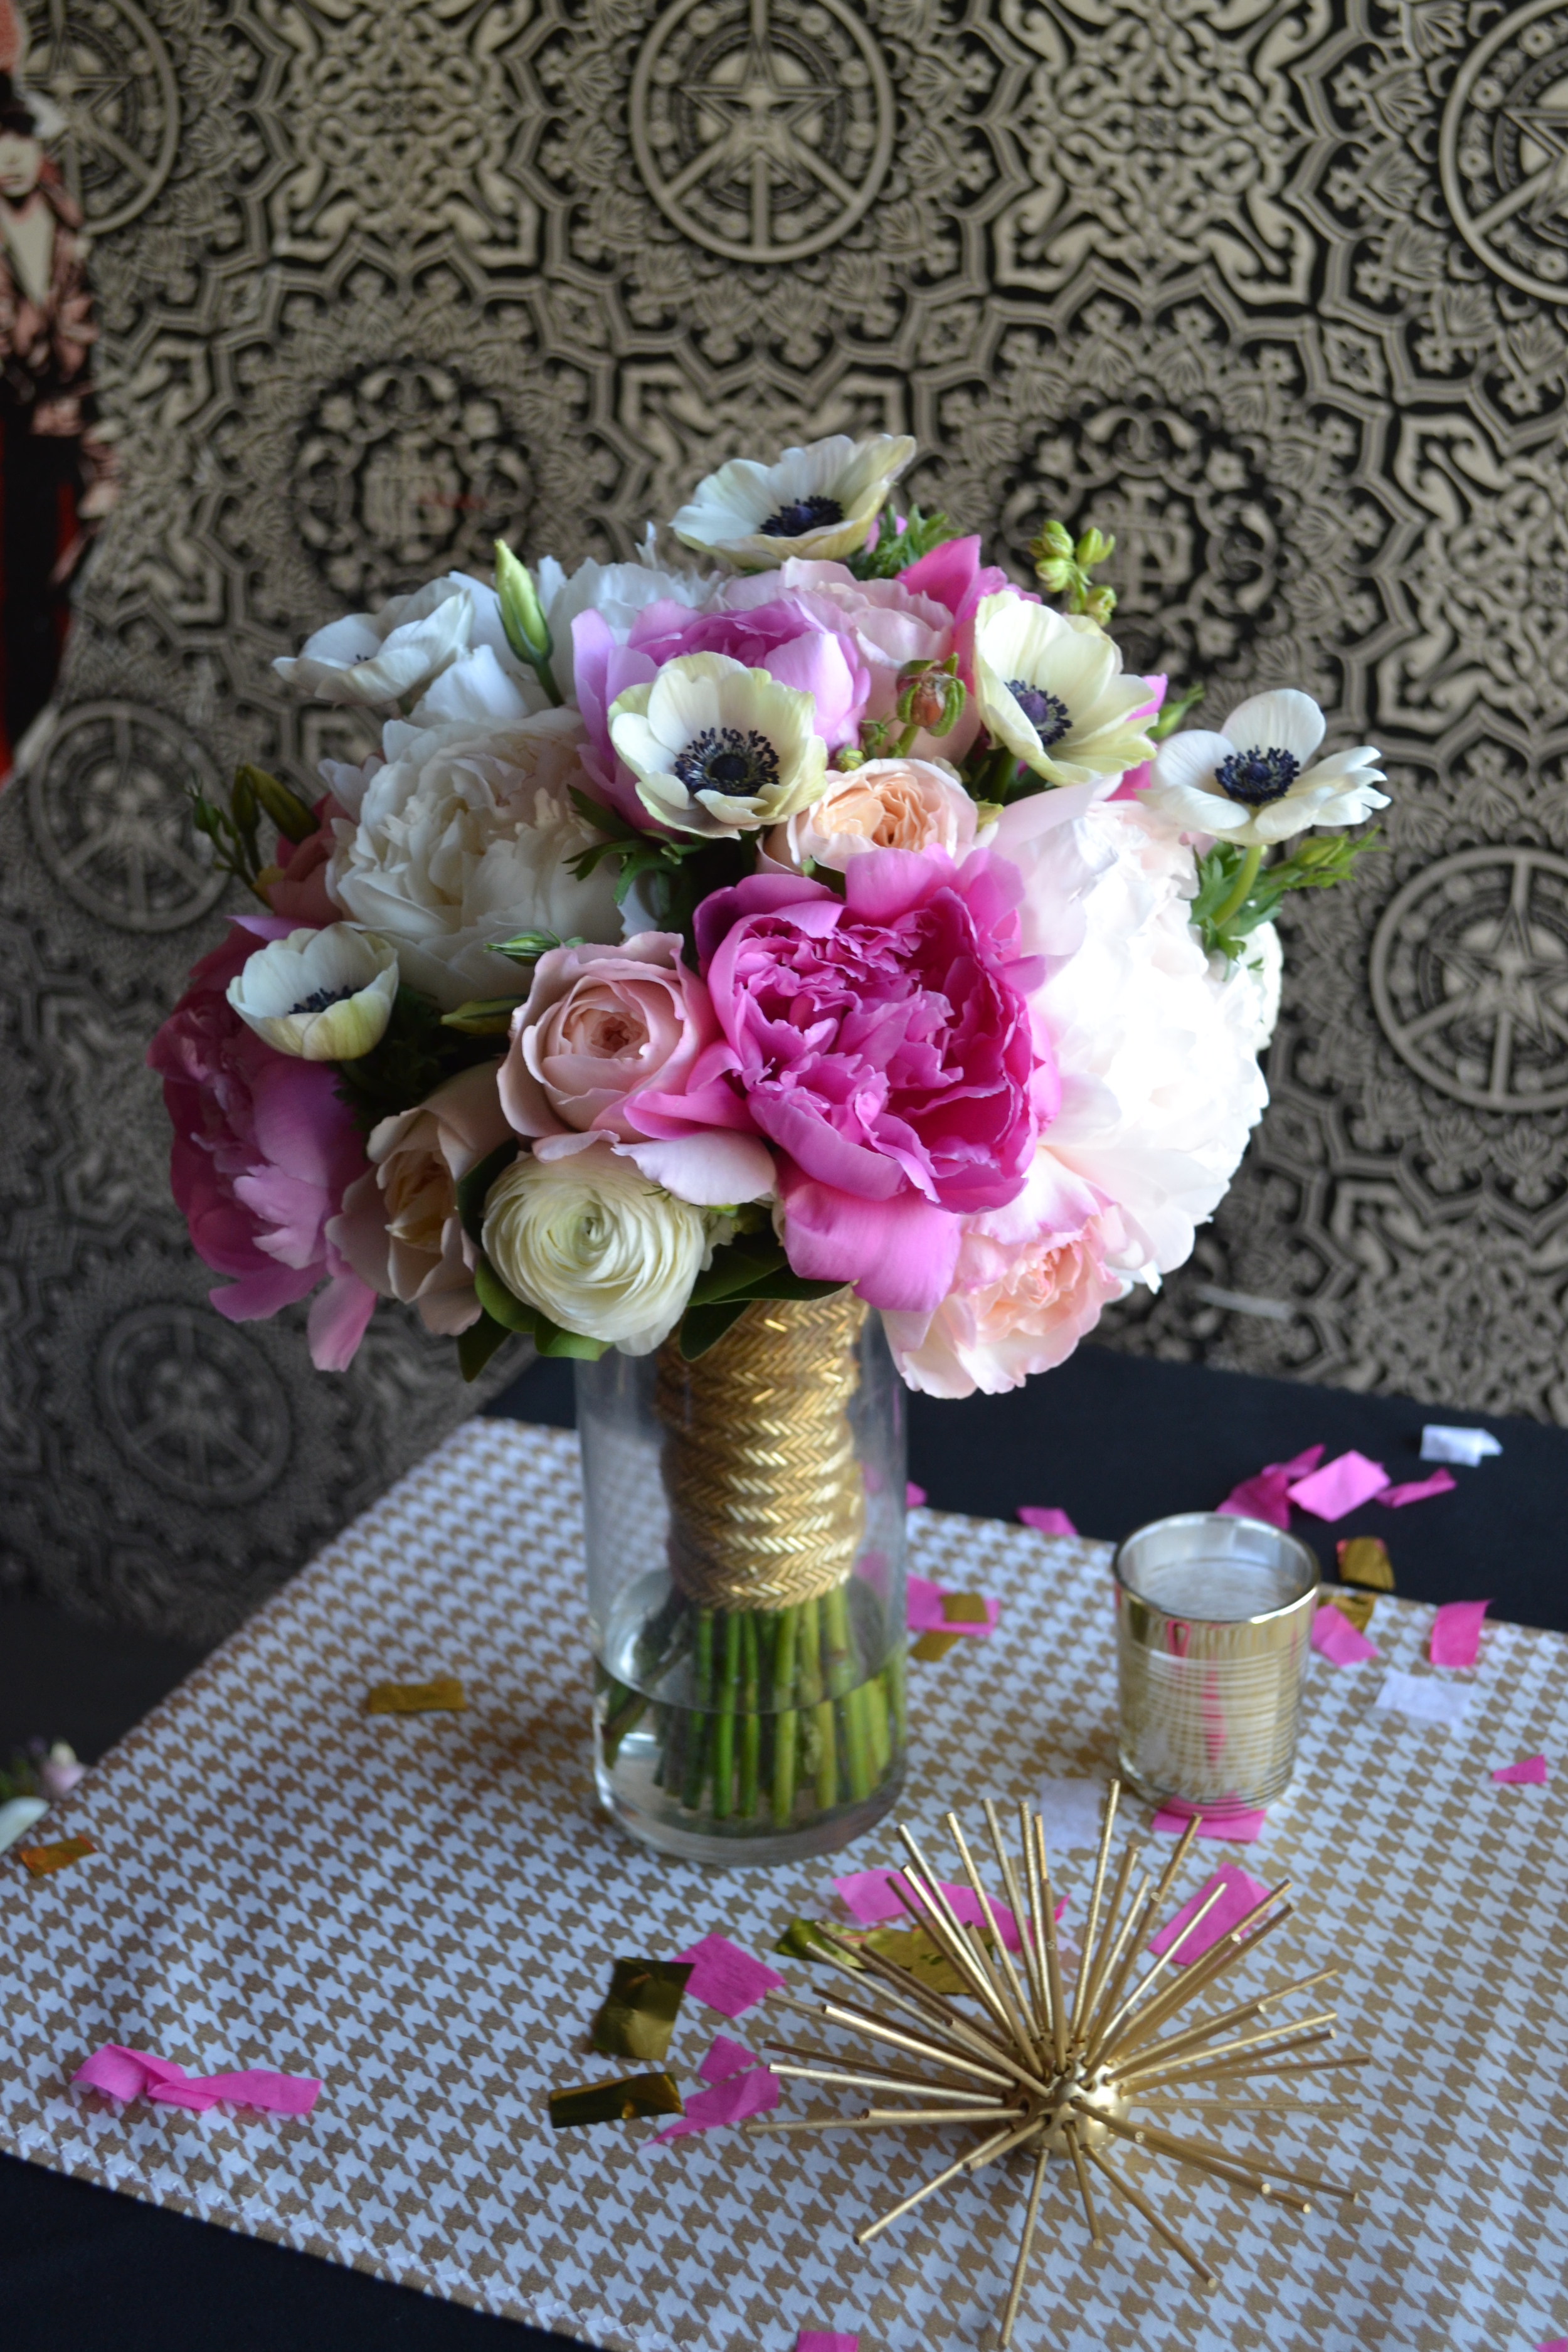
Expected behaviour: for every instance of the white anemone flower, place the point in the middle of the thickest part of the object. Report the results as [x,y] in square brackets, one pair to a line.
[1257,782]
[1050,687]
[819,502]
[717,747]
[322,996]
[370,659]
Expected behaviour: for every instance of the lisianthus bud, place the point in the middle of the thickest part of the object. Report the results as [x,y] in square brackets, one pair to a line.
[1094,548]
[522,617]
[932,699]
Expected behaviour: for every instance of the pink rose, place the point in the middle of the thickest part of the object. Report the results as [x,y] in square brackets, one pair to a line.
[1031,1280]
[883,1044]
[399,1228]
[294,886]
[263,1154]
[886,805]
[602,1027]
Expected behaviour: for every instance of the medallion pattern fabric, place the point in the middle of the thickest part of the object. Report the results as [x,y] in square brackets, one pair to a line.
[423,1912]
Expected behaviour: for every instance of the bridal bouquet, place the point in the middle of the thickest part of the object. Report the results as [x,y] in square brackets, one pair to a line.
[805,904]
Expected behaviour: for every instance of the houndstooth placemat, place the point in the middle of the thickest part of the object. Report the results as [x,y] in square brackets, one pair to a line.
[423,1910]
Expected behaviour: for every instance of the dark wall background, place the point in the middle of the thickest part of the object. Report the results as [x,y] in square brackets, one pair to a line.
[1275,292]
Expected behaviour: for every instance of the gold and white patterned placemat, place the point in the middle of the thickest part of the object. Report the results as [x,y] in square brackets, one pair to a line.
[423,1911]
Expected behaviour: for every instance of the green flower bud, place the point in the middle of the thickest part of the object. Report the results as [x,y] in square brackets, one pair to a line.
[1100,603]
[295,821]
[522,617]
[1094,548]
[1054,539]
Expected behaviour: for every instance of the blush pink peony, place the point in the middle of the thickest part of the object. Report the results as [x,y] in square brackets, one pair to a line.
[263,1154]
[882,1044]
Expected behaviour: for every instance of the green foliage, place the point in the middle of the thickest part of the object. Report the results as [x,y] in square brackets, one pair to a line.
[677,875]
[412,1057]
[1320,861]
[751,1266]
[235,831]
[472,1188]
[895,552]
[483,1016]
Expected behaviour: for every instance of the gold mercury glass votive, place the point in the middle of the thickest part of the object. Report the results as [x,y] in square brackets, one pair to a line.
[1214,1621]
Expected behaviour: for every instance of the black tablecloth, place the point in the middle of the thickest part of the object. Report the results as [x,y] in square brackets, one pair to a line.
[1112,1440]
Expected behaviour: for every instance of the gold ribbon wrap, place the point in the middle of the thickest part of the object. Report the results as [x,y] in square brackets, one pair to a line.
[767,1506]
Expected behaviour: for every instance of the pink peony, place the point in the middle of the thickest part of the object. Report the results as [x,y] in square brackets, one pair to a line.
[602,1027]
[1030,1281]
[263,1154]
[952,575]
[882,1042]
[296,885]
[795,644]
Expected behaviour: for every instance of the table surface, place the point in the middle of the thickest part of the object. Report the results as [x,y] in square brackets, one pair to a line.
[423,1912]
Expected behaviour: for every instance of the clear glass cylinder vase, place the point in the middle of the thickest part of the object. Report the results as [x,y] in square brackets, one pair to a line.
[744,1518]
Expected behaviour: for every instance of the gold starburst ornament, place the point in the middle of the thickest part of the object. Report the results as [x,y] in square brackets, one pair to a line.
[1038,2068]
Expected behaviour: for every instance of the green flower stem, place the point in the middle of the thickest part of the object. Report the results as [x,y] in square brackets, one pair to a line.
[695,1770]
[826,1756]
[1240,888]
[839,1654]
[724,1721]
[751,1722]
[786,1722]
[876,1702]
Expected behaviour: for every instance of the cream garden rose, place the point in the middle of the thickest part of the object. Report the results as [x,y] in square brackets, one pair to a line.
[399,1227]
[589,1242]
[886,805]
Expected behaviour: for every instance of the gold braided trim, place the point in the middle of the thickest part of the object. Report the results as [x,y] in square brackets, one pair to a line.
[767,1506]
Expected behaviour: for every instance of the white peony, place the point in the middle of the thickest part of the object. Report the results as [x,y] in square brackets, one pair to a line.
[1050,687]
[1253,784]
[464,837]
[589,1242]
[819,501]
[387,656]
[1156,1050]
[717,747]
[321,995]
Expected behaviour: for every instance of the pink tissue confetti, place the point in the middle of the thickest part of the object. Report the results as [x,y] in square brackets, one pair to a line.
[1557,2343]
[1266,1497]
[1336,1639]
[867,1896]
[726,2058]
[1045,1520]
[742,2086]
[1244,1826]
[1242,1894]
[914,1496]
[923,1611]
[1457,1633]
[1340,1485]
[136,2073]
[1441,1482]
[813,2340]
[725,1977]
[1529,1772]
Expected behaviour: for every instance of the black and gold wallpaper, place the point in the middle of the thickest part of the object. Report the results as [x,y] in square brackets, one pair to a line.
[1278,293]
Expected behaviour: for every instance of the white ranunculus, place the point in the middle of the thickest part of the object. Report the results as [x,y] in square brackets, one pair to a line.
[466,836]
[1156,1048]
[321,995]
[717,747]
[1050,687]
[588,1241]
[819,501]
[1253,782]
[370,659]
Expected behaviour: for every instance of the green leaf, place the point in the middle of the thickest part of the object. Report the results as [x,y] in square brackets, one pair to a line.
[1172,710]
[745,1260]
[785,1286]
[552,1340]
[894,554]
[1317,863]
[501,1304]
[472,1188]
[477,1344]
[702,1328]
[412,1057]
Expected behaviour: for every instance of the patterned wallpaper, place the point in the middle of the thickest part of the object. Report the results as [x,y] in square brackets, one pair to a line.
[1276,293]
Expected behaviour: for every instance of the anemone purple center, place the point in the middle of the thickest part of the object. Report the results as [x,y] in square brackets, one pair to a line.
[318,1000]
[723,760]
[800,516]
[1255,778]
[1047,713]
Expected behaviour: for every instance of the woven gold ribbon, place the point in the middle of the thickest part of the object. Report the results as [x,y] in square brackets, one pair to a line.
[767,1506]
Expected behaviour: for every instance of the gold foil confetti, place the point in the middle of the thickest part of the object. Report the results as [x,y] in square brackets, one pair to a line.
[910,1948]
[616,2103]
[41,1859]
[640,2009]
[958,1609]
[445,1692]
[1364,1560]
[1357,1606]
